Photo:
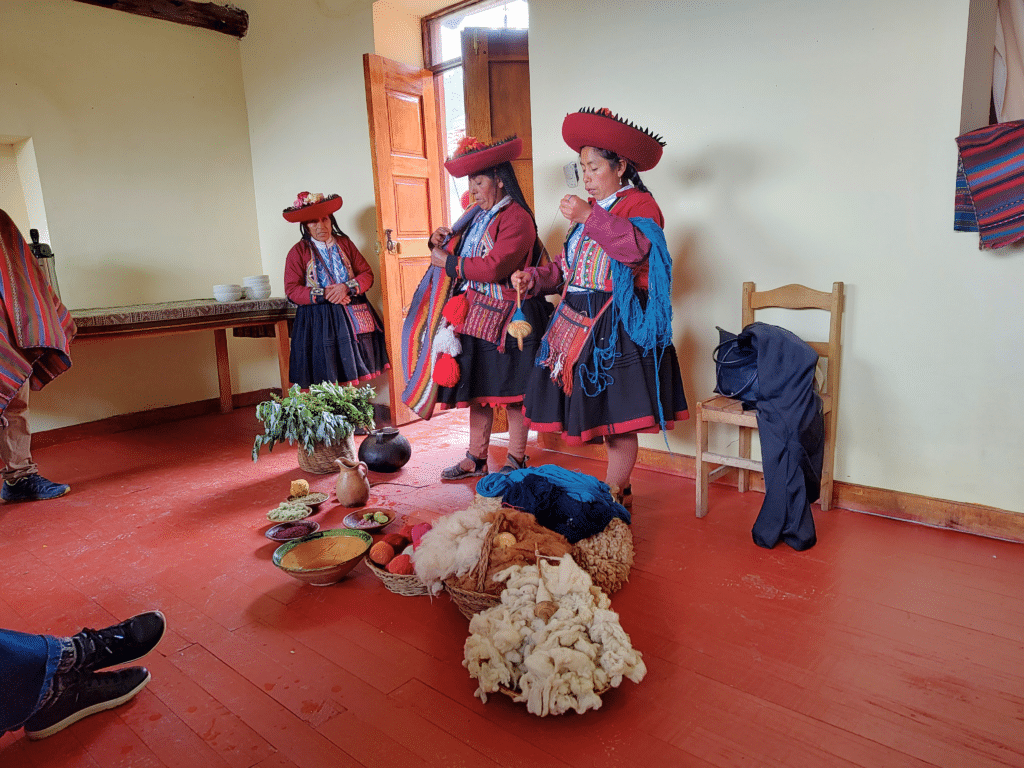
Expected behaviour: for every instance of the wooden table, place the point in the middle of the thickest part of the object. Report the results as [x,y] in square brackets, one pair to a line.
[176,317]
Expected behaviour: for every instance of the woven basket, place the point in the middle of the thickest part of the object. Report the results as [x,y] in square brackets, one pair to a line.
[408,585]
[469,602]
[321,460]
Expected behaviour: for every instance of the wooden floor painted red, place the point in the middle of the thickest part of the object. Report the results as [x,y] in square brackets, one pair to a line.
[887,644]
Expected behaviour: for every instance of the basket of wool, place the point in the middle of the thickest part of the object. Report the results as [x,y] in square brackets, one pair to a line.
[514,538]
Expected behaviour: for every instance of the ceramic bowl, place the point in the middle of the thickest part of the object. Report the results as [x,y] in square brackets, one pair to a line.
[258,293]
[312,499]
[355,519]
[227,292]
[324,557]
[291,531]
[256,280]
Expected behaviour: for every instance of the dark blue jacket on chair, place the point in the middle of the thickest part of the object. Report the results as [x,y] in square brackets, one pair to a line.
[792,434]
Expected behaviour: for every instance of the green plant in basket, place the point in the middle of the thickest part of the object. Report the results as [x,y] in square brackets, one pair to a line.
[324,414]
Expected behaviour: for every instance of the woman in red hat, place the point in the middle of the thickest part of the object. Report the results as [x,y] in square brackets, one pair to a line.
[500,238]
[607,368]
[337,336]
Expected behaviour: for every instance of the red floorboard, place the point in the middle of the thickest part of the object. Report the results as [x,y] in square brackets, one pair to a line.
[887,644]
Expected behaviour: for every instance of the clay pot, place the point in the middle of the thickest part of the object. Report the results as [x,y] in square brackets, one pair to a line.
[352,488]
[385,450]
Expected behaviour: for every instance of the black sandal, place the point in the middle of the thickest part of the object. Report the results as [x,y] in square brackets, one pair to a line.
[625,496]
[456,472]
[512,464]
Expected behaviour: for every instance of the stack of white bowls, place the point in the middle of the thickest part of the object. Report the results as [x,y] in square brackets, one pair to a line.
[227,292]
[257,287]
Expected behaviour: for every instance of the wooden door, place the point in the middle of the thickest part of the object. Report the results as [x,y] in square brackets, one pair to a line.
[496,82]
[406,171]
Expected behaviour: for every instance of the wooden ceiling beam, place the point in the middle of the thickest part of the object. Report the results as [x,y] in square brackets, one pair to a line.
[220,18]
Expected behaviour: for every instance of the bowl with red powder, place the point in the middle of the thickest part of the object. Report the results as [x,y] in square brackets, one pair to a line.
[293,530]
[324,557]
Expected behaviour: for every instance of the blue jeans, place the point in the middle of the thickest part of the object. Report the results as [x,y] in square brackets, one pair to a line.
[29,665]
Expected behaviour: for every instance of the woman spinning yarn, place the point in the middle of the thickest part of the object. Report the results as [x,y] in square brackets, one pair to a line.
[491,368]
[337,336]
[607,368]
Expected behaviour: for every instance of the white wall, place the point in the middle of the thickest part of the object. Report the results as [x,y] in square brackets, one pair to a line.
[303,72]
[140,133]
[812,142]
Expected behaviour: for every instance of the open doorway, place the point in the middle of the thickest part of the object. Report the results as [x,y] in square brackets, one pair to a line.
[479,50]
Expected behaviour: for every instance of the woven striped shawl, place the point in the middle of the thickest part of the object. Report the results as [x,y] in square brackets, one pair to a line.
[990,190]
[418,331]
[36,332]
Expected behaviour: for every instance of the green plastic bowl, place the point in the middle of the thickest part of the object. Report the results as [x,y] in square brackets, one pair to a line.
[330,574]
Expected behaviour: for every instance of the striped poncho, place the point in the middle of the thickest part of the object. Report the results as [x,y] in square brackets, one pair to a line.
[36,332]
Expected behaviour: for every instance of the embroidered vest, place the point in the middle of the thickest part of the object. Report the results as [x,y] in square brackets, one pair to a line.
[589,264]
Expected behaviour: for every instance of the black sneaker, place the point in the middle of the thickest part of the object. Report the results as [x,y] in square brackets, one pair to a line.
[32,488]
[86,695]
[119,644]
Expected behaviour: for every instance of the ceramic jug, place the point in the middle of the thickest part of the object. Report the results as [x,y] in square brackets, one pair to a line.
[352,487]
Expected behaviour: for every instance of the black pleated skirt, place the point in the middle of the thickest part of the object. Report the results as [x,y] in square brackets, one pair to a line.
[490,377]
[629,402]
[325,348]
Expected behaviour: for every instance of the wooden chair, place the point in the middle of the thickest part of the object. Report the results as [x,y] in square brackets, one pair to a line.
[725,410]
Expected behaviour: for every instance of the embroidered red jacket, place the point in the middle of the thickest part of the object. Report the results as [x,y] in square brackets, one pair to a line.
[613,231]
[295,287]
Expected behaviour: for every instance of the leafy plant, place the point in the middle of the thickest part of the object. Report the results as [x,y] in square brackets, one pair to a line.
[327,413]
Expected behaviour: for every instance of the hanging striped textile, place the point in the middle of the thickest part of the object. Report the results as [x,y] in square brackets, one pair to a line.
[992,190]
[418,331]
[36,330]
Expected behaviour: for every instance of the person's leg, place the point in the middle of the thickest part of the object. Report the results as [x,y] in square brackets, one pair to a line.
[21,480]
[16,439]
[28,667]
[517,436]
[77,690]
[622,451]
[481,418]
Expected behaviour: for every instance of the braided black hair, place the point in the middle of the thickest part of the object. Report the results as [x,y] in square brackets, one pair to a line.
[631,174]
[504,173]
[335,229]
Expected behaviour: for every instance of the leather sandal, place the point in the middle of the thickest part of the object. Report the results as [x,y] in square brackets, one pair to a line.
[625,496]
[512,464]
[456,472]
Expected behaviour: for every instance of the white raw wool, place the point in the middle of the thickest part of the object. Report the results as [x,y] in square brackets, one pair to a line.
[452,547]
[556,664]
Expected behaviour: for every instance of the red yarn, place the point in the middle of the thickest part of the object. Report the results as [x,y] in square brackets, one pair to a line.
[446,371]
[456,309]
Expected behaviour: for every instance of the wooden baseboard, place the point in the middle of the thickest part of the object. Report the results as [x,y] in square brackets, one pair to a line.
[938,513]
[129,421]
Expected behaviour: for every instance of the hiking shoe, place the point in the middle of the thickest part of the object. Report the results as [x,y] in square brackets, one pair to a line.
[456,472]
[512,464]
[86,695]
[32,488]
[119,644]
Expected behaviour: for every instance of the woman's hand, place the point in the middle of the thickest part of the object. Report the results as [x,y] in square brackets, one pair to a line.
[522,281]
[337,293]
[574,208]
[439,236]
[438,258]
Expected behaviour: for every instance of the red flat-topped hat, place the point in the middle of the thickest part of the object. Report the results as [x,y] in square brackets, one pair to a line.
[472,156]
[311,206]
[603,129]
